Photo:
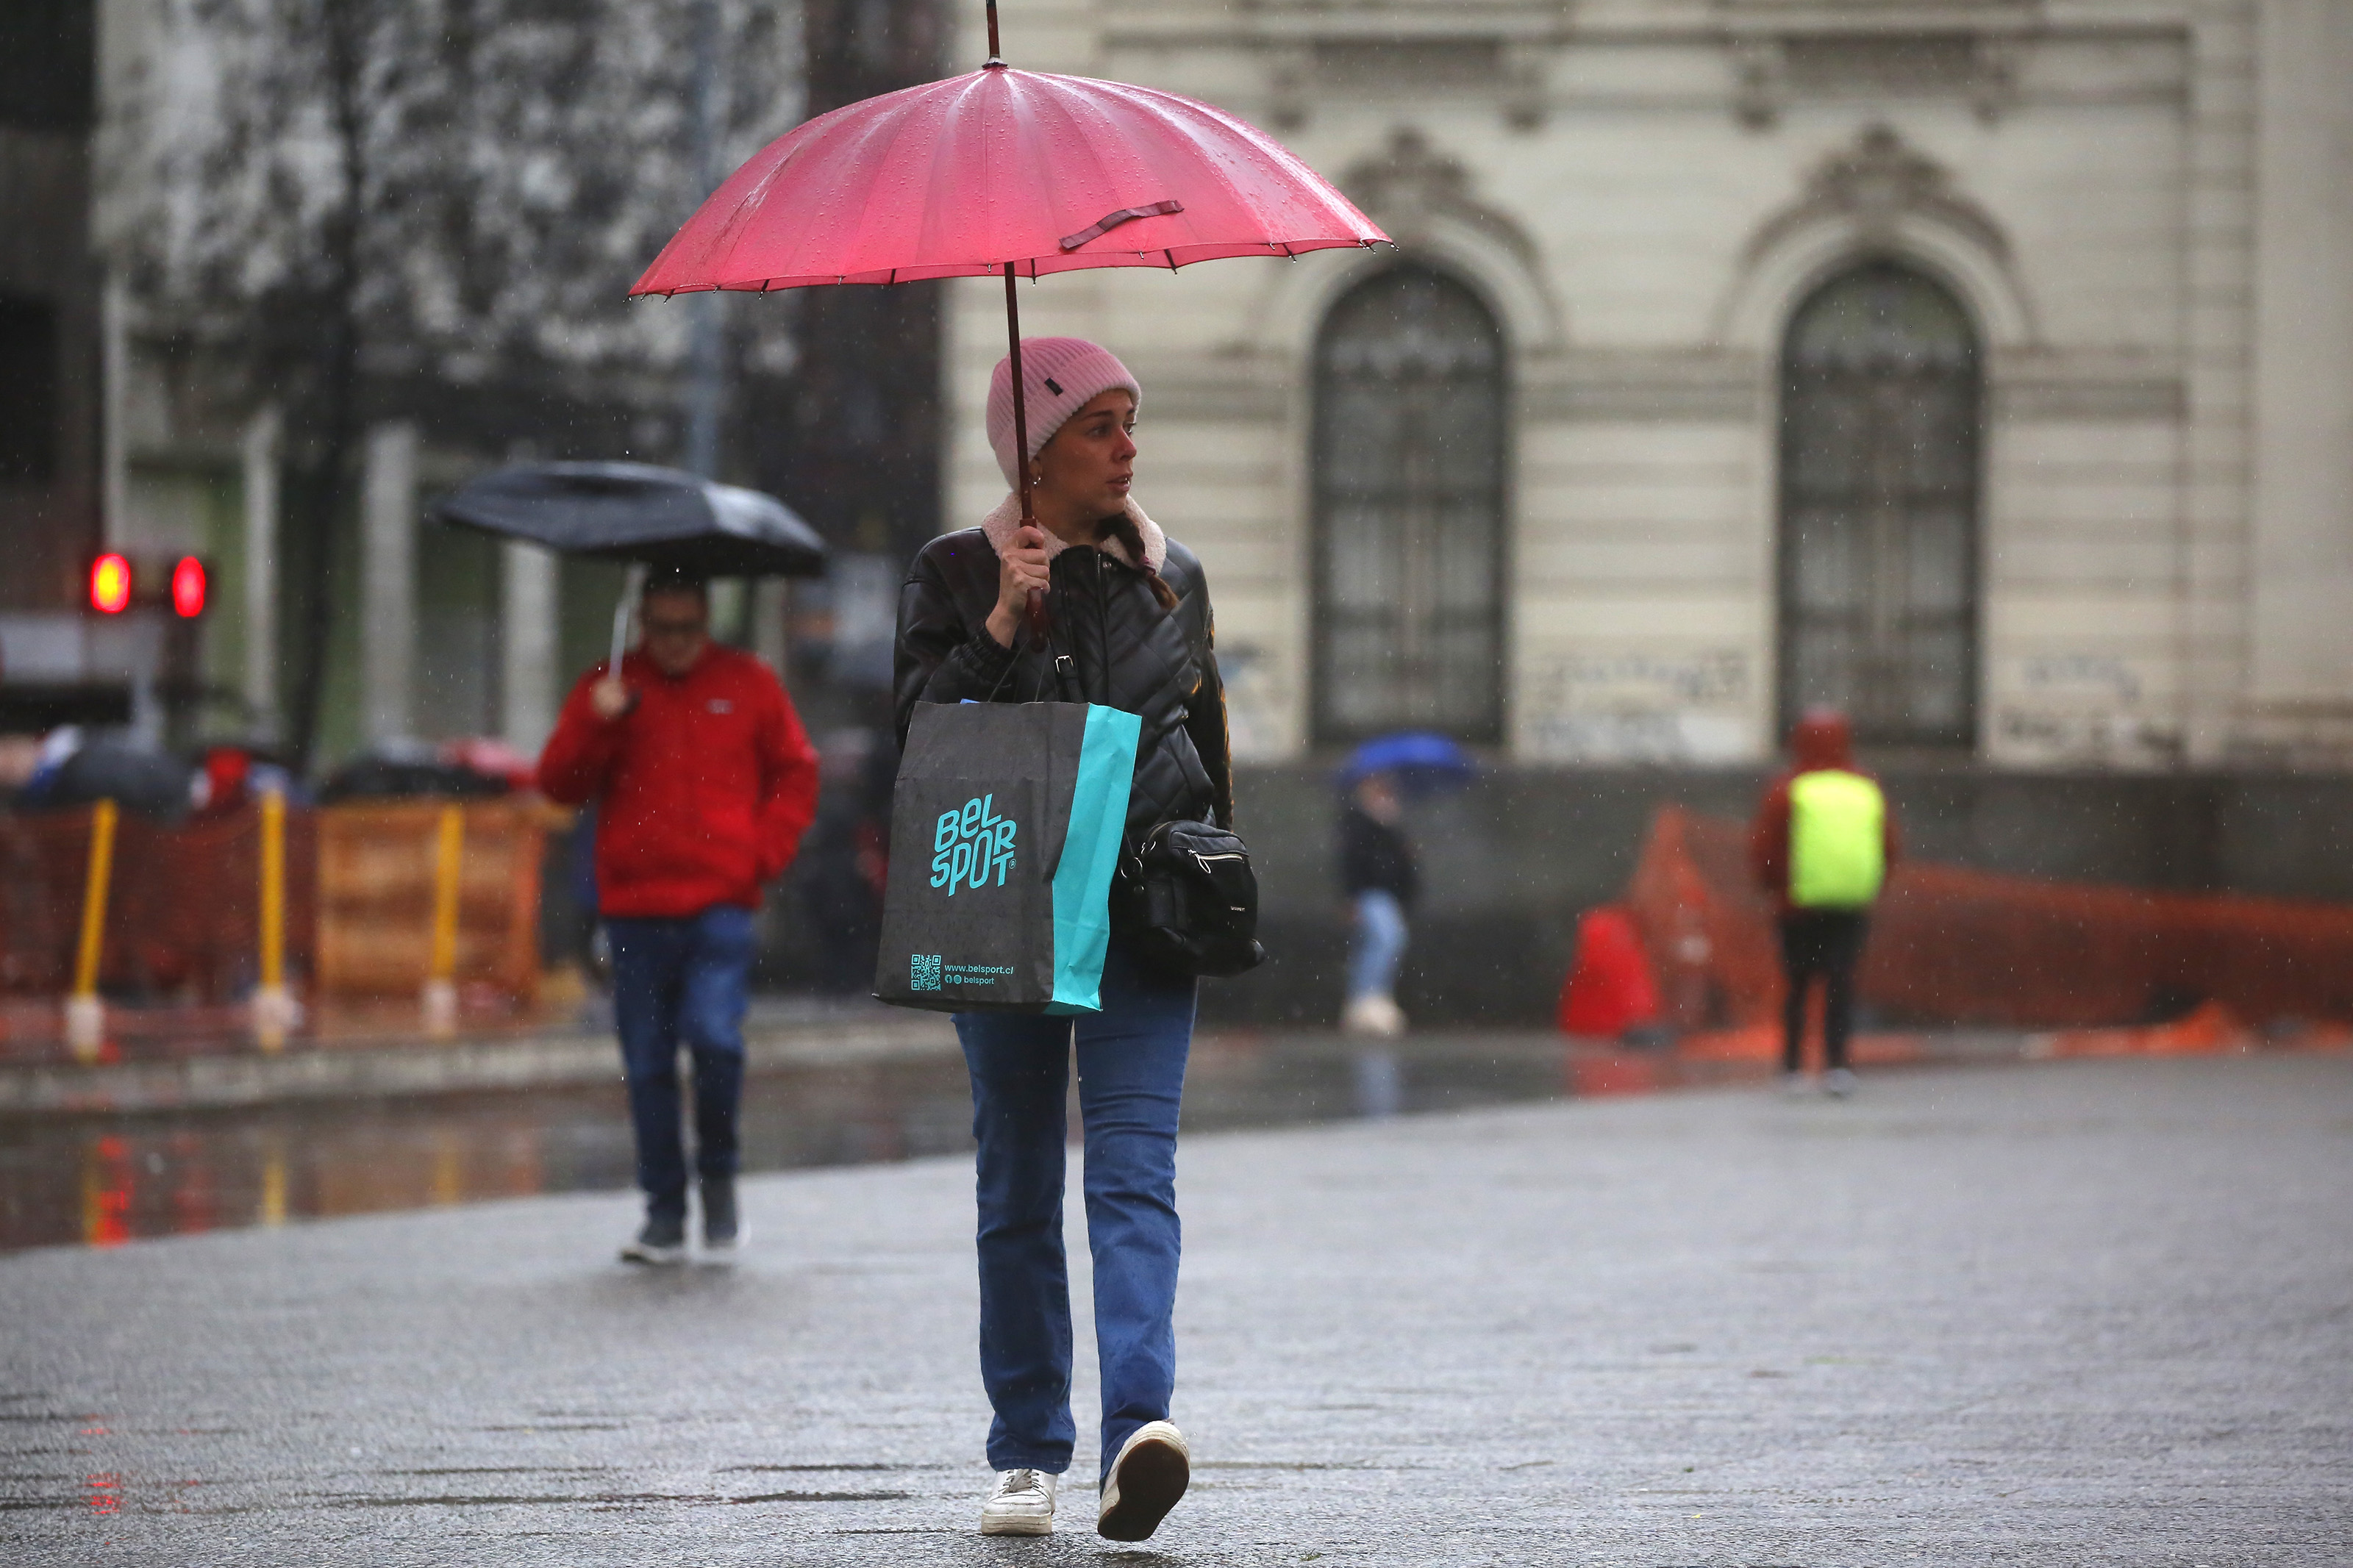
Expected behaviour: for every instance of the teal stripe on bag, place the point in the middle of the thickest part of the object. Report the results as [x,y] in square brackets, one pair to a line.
[1090,856]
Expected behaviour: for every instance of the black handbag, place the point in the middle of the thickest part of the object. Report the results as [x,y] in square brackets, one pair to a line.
[1186,900]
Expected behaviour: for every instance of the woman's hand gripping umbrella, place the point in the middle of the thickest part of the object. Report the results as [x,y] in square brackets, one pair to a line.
[1004,172]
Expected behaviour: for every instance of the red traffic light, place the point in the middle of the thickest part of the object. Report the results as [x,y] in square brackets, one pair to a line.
[188,587]
[110,584]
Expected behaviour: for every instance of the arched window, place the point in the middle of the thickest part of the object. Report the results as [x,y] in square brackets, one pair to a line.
[1880,392]
[1409,466]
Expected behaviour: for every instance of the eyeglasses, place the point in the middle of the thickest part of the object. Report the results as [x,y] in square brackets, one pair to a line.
[663,629]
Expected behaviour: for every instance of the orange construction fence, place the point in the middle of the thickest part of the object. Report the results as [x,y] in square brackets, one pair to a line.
[184,911]
[1955,946]
[183,914]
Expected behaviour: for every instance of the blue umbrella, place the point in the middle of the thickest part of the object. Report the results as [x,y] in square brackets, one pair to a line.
[1417,759]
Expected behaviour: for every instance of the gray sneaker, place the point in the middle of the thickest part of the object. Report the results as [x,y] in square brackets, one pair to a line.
[723,1230]
[659,1241]
[1838,1083]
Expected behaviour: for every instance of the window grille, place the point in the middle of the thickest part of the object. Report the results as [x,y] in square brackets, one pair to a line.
[1408,497]
[1881,394]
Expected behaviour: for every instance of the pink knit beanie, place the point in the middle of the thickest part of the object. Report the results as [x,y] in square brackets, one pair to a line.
[1061,375]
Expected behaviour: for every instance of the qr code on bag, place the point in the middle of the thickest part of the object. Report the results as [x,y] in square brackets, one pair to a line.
[924,971]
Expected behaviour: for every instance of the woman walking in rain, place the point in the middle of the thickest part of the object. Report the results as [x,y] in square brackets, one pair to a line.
[1130,610]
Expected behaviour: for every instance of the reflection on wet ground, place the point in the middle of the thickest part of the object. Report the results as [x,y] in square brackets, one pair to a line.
[106,1179]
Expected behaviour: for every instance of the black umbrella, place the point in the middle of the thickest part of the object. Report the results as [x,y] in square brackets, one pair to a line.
[653,518]
[659,518]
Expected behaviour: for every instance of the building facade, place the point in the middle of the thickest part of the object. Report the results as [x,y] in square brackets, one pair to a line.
[1984,368]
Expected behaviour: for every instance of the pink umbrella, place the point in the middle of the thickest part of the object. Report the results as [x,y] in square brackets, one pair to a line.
[1009,172]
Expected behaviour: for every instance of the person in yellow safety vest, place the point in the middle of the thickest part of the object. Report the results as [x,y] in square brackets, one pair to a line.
[1823,844]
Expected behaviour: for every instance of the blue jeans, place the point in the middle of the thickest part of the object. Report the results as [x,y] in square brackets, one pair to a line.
[1131,1080]
[1379,943]
[678,982]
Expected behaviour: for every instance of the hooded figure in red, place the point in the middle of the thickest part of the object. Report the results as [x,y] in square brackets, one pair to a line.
[1821,941]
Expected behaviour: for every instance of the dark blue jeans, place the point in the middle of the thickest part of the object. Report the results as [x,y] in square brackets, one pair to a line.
[682,982]
[1131,1080]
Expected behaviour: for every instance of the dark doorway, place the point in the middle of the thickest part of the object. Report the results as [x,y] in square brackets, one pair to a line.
[1409,477]
[1880,397]
[28,389]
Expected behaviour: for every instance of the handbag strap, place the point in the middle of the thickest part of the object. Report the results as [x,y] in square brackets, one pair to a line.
[1064,668]
[1012,662]
[1058,665]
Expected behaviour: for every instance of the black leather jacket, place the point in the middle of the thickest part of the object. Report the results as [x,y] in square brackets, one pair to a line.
[1129,653]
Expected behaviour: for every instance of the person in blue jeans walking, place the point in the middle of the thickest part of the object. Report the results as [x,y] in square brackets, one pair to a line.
[1379,876]
[704,782]
[1131,609]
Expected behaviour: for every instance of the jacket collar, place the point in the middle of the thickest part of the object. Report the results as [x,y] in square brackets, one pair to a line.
[1000,526]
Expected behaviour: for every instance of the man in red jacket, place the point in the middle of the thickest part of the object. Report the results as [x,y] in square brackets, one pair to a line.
[1821,846]
[704,782]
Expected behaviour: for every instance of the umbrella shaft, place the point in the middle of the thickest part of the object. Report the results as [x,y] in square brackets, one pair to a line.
[629,592]
[993,50]
[1020,410]
[1020,418]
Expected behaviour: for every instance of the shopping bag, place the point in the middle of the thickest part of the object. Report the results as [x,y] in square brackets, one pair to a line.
[1005,831]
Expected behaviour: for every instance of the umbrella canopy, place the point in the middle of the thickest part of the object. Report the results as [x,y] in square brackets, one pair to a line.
[1419,759]
[1003,169]
[661,518]
[1000,170]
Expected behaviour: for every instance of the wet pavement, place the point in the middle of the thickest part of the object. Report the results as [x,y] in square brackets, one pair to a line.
[103,1179]
[2074,1313]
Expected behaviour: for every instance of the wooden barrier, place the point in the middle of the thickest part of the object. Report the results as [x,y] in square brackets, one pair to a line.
[379,889]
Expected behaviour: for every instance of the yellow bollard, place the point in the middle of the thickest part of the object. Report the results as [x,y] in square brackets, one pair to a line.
[85,1016]
[441,983]
[273,1010]
[273,1183]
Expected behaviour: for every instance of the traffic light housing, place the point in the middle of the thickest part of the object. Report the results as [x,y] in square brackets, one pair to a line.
[120,583]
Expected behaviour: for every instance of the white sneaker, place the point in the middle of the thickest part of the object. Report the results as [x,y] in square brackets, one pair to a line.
[1023,1504]
[1150,1474]
[1838,1083]
[1796,1086]
[1374,1015]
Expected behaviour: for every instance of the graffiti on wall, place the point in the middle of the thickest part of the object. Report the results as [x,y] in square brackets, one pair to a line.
[2084,709]
[1641,706]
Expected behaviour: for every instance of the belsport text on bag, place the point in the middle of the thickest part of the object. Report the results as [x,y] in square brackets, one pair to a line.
[970,843]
